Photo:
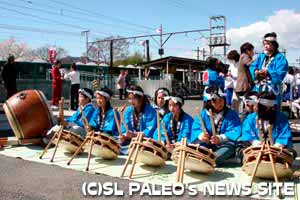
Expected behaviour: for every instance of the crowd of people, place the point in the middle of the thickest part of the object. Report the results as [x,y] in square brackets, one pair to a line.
[237,103]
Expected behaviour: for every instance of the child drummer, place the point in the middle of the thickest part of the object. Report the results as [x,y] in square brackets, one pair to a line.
[226,122]
[140,116]
[161,105]
[176,124]
[74,123]
[267,115]
[103,119]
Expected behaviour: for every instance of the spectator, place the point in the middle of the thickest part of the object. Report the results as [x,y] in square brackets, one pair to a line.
[9,76]
[74,76]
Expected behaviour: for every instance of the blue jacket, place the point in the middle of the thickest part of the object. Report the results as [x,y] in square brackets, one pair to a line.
[147,121]
[277,69]
[213,79]
[76,118]
[231,126]
[186,123]
[281,131]
[109,124]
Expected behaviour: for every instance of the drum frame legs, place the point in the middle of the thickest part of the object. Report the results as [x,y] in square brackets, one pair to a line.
[57,134]
[135,151]
[265,145]
[181,163]
[92,138]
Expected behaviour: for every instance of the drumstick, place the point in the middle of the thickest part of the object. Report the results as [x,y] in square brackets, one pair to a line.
[84,120]
[158,125]
[61,110]
[139,140]
[260,134]
[179,164]
[212,123]
[270,134]
[257,162]
[165,133]
[182,161]
[123,121]
[117,122]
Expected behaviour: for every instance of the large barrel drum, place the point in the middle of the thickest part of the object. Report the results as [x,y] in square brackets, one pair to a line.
[28,114]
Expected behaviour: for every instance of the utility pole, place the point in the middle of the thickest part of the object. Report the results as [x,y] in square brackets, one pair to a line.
[200,51]
[86,33]
[147,51]
[111,61]
[161,50]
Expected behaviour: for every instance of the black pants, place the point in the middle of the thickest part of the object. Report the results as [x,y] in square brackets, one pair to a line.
[121,92]
[74,96]
[10,90]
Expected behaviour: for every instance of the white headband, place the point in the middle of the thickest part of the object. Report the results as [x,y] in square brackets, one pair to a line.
[175,99]
[85,93]
[251,100]
[105,94]
[135,92]
[267,102]
[270,39]
[163,91]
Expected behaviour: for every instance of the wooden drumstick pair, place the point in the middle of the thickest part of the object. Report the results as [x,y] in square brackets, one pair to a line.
[58,133]
[134,152]
[181,162]
[265,145]
[164,129]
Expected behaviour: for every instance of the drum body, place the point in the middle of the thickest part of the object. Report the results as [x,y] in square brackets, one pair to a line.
[28,114]
[151,152]
[283,162]
[69,141]
[198,159]
[104,146]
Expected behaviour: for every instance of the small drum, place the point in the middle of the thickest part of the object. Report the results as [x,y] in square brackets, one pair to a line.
[151,152]
[283,162]
[104,146]
[28,114]
[69,141]
[198,158]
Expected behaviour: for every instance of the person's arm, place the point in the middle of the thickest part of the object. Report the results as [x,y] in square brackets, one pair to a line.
[284,132]
[249,129]
[278,73]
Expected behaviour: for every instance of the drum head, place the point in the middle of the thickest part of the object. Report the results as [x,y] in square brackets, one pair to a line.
[264,170]
[68,146]
[103,152]
[196,165]
[148,158]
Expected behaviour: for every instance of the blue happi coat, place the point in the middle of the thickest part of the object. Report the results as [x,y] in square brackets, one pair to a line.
[277,69]
[212,78]
[185,127]
[281,132]
[76,118]
[108,124]
[147,123]
[231,126]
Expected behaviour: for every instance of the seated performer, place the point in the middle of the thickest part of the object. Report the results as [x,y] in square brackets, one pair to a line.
[250,103]
[103,119]
[160,104]
[74,123]
[139,117]
[178,124]
[268,115]
[226,122]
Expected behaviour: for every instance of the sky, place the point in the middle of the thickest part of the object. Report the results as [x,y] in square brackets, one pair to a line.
[60,23]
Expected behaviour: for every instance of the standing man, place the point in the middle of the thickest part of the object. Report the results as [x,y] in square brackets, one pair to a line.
[270,68]
[74,76]
[9,76]
[121,83]
[56,84]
